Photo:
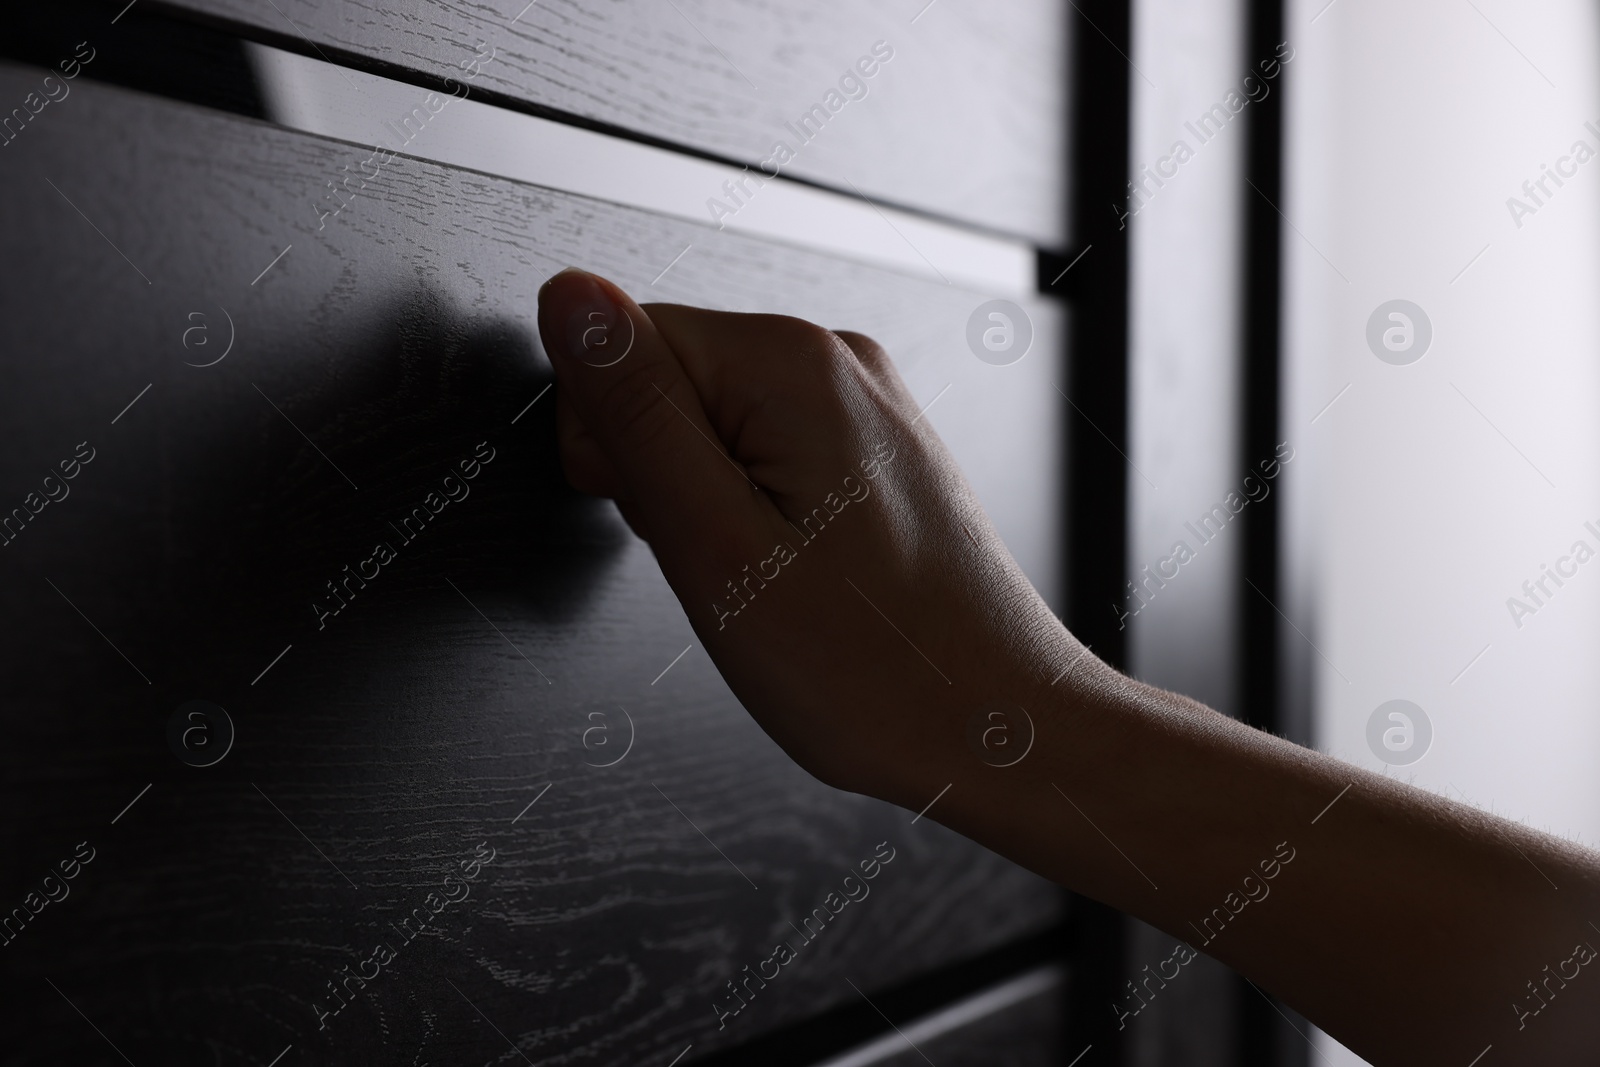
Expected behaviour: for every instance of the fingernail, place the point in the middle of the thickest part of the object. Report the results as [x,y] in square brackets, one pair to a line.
[589,325]
[557,276]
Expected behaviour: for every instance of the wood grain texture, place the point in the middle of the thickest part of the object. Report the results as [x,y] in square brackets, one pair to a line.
[376,753]
[967,120]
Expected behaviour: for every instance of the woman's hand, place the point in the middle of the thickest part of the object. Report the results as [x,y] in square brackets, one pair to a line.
[823,542]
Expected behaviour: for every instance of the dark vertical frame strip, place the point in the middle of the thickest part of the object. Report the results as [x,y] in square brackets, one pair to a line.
[1097,438]
[1258,674]
[1266,1037]
[1096,418]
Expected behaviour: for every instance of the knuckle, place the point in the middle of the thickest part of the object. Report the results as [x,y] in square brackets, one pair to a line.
[817,356]
[864,346]
[801,337]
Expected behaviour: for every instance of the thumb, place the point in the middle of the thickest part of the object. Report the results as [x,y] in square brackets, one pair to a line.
[632,395]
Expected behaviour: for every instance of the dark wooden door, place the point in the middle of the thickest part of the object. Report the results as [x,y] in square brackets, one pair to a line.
[338,728]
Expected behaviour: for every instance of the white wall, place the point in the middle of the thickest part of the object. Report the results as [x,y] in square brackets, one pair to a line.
[1423,498]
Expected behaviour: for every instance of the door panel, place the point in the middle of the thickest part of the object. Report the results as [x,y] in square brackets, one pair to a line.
[440,742]
[733,79]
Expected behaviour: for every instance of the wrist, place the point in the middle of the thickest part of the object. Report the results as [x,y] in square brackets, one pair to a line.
[1010,714]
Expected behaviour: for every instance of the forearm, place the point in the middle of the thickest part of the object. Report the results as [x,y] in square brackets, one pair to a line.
[1406,925]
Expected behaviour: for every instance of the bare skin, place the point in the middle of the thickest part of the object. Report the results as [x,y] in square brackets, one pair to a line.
[1413,929]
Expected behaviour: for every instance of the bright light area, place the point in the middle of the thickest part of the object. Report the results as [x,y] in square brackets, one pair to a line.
[1430,485]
